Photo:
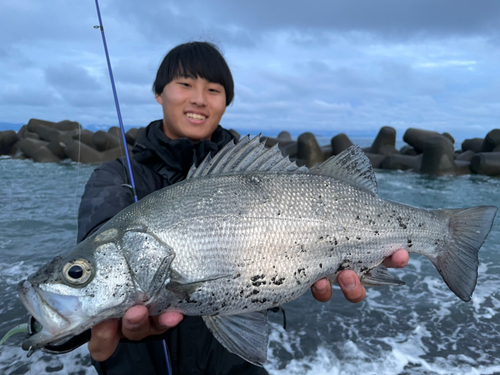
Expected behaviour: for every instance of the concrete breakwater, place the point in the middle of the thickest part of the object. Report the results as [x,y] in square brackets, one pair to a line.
[425,151]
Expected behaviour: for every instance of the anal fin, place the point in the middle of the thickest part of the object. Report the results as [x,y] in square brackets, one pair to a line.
[245,335]
[380,276]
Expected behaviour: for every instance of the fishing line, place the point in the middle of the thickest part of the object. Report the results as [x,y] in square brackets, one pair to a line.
[132,183]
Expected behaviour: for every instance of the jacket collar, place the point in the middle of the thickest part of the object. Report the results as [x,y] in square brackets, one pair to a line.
[172,158]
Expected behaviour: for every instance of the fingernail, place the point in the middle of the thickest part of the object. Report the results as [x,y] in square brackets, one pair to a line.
[322,289]
[137,320]
[348,282]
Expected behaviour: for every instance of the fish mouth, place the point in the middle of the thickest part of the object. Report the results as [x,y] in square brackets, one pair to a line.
[60,316]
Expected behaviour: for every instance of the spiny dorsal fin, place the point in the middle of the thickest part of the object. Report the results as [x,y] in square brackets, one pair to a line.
[245,156]
[351,165]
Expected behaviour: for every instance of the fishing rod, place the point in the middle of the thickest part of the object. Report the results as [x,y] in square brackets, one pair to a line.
[122,130]
[117,105]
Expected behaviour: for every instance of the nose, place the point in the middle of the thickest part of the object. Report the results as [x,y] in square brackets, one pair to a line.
[198,98]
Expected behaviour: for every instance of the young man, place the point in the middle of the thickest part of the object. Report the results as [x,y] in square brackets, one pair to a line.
[194,86]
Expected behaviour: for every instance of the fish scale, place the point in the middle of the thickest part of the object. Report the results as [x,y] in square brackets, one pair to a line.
[278,237]
[247,231]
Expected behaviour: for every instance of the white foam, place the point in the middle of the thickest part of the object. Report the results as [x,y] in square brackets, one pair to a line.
[406,355]
[13,360]
[12,273]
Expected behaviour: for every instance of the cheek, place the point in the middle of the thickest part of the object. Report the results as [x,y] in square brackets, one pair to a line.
[173,101]
[220,107]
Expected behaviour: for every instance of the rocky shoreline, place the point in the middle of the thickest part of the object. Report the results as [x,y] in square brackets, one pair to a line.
[425,151]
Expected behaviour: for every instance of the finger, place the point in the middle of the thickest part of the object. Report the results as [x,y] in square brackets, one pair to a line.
[351,286]
[322,290]
[397,260]
[135,323]
[168,320]
[104,339]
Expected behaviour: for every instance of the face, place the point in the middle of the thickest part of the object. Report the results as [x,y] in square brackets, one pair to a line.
[192,108]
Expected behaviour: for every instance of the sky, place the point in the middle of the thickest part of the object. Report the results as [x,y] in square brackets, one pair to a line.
[322,66]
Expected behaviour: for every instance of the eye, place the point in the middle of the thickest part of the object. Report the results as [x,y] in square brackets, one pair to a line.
[77,272]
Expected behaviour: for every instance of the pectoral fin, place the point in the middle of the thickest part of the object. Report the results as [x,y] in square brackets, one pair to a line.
[380,276]
[245,335]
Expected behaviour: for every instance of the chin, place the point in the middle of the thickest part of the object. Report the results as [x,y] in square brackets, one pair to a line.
[199,134]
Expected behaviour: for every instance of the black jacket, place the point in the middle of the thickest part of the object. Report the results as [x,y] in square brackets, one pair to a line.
[157,162]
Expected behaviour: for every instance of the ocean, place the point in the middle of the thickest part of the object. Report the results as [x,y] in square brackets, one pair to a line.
[419,328]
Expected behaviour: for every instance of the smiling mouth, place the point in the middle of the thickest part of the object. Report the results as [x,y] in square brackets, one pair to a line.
[195,116]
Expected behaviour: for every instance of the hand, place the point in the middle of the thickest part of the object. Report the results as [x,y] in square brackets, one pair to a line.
[136,324]
[349,282]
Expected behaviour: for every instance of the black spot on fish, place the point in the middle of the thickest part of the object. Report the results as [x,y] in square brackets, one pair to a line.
[256,300]
[400,222]
[363,269]
[189,300]
[345,264]
[347,238]
[236,276]
[358,238]
[276,281]
[320,265]
[302,271]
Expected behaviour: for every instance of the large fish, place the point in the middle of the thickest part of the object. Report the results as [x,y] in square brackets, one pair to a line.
[245,232]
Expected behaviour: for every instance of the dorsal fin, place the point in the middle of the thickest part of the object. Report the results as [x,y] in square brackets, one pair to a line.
[245,156]
[351,165]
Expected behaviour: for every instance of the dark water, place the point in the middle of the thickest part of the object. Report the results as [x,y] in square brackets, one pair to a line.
[420,328]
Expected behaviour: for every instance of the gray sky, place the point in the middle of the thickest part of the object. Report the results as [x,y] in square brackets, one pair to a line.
[321,66]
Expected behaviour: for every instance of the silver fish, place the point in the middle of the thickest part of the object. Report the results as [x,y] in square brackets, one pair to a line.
[247,231]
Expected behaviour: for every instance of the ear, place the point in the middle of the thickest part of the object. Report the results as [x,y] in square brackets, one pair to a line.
[159,99]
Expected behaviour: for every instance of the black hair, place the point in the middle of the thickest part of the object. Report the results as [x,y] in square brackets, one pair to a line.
[192,60]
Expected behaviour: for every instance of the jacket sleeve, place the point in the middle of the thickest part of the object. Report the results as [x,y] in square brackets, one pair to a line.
[106,194]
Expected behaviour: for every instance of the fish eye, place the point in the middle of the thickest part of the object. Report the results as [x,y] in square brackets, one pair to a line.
[77,272]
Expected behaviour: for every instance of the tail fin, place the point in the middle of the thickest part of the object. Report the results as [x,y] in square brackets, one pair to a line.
[458,261]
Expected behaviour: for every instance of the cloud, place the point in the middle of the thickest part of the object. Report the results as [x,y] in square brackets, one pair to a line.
[320,65]
[396,20]
[15,95]
[70,77]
